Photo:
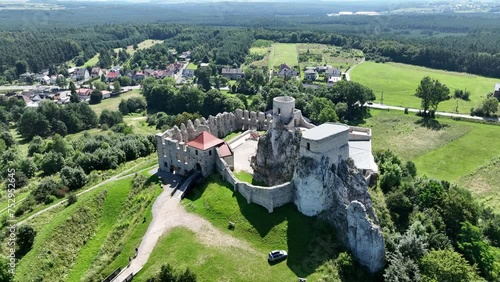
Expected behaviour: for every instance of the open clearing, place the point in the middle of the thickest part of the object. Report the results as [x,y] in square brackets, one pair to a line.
[283,53]
[457,151]
[398,82]
[113,102]
[312,55]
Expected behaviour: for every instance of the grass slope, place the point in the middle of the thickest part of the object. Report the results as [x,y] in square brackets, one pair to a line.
[399,82]
[485,183]
[285,228]
[58,242]
[181,249]
[114,203]
[283,53]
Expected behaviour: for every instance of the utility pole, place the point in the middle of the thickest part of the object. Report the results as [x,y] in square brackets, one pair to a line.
[382,98]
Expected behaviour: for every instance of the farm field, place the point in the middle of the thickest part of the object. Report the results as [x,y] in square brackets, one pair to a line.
[113,102]
[399,82]
[456,151]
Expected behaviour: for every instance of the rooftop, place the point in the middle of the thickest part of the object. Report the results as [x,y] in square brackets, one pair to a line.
[325,130]
[361,153]
[205,141]
[497,87]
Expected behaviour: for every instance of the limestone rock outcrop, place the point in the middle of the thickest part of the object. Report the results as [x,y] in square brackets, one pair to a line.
[340,195]
[276,156]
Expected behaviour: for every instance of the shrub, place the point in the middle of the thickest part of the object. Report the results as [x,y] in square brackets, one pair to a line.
[73,178]
[72,198]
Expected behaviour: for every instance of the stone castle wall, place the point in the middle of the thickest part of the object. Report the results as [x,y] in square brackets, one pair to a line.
[267,197]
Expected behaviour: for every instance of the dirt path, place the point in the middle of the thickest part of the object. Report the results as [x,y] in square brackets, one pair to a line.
[169,213]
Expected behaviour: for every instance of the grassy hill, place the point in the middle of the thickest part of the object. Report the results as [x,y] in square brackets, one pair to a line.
[308,242]
[399,82]
[81,242]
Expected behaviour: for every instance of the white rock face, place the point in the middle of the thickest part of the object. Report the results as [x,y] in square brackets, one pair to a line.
[365,239]
[340,195]
[276,156]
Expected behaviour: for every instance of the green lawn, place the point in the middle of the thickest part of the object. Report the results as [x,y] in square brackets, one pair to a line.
[283,53]
[181,249]
[112,206]
[113,102]
[247,177]
[139,125]
[191,66]
[399,82]
[457,151]
[285,228]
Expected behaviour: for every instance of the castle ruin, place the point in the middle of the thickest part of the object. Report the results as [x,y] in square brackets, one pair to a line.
[324,170]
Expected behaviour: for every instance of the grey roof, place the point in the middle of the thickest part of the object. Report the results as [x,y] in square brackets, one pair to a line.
[231,71]
[497,87]
[310,72]
[325,130]
[361,153]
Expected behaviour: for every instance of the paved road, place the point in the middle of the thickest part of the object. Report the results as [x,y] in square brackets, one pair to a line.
[178,79]
[444,114]
[169,213]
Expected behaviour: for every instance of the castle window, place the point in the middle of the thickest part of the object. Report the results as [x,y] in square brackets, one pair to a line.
[197,152]
[308,146]
[279,111]
[210,152]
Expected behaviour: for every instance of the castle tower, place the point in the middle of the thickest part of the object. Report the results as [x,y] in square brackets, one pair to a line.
[283,109]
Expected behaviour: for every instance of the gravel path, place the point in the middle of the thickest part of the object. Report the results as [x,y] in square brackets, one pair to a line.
[169,213]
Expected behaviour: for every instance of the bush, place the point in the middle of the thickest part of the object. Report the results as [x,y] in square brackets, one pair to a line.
[72,198]
[110,118]
[49,186]
[73,178]
[24,239]
[406,111]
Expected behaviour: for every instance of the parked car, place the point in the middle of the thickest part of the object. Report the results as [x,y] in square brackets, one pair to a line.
[277,255]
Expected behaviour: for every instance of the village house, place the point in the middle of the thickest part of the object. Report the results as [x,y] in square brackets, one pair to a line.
[187,73]
[332,72]
[286,71]
[106,94]
[26,77]
[138,75]
[232,73]
[80,74]
[496,92]
[112,75]
[84,93]
[310,74]
[96,72]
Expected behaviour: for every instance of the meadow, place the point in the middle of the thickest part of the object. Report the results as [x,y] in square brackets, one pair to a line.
[398,83]
[283,53]
[457,151]
[321,54]
[113,102]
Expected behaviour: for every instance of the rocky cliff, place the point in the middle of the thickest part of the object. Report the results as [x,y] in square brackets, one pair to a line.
[340,195]
[276,155]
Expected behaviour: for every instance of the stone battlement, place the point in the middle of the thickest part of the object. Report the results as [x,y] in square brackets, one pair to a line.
[220,125]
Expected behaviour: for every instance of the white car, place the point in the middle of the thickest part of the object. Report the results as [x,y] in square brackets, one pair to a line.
[277,255]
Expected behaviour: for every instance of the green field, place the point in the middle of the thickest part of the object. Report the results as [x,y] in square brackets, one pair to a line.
[283,53]
[399,82]
[457,151]
[113,102]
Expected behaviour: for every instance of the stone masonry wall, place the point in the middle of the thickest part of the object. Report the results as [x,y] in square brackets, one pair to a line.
[268,197]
